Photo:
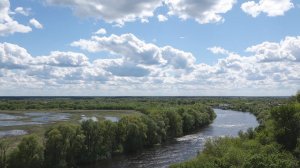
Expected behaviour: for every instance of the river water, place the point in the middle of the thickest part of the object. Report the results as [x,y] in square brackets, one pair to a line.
[227,123]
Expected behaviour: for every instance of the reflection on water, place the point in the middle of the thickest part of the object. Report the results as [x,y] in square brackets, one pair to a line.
[85,118]
[113,119]
[227,123]
[9,117]
[32,118]
[45,118]
[17,123]
[12,133]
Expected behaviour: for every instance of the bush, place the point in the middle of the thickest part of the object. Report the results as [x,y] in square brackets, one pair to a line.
[28,154]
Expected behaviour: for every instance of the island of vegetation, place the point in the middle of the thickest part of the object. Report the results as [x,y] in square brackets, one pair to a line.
[67,145]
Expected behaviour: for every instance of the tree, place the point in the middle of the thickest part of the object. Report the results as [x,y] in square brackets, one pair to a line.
[298,96]
[63,146]
[188,122]
[92,141]
[3,152]
[152,131]
[286,125]
[109,143]
[175,124]
[132,131]
[28,154]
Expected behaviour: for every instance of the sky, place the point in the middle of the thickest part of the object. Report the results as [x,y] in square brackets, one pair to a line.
[149,48]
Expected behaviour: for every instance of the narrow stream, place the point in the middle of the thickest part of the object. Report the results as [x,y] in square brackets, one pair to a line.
[227,123]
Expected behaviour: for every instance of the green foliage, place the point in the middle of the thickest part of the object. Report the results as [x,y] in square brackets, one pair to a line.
[152,133]
[100,140]
[132,131]
[188,122]
[298,97]
[92,141]
[175,124]
[238,153]
[286,125]
[63,146]
[3,153]
[109,134]
[28,154]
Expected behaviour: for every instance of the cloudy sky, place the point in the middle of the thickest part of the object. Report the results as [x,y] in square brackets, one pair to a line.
[149,47]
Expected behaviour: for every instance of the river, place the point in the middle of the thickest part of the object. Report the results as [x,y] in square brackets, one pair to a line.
[227,123]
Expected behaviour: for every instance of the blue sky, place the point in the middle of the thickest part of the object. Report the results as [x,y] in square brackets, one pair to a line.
[254,47]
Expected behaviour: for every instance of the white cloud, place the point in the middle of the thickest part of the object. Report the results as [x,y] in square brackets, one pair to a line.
[101,31]
[162,18]
[218,50]
[36,23]
[270,7]
[117,12]
[140,68]
[13,57]
[63,59]
[177,58]
[7,24]
[134,50]
[203,11]
[22,11]
[286,50]
[126,45]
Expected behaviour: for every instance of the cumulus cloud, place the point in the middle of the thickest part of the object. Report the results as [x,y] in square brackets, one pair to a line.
[134,50]
[162,18]
[7,24]
[101,31]
[13,57]
[128,69]
[286,50]
[270,7]
[126,45]
[36,23]
[63,59]
[203,11]
[146,69]
[177,58]
[117,12]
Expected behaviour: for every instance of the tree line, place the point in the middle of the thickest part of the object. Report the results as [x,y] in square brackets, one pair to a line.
[69,145]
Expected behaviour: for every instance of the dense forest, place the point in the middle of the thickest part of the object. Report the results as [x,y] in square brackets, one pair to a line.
[274,144]
[69,145]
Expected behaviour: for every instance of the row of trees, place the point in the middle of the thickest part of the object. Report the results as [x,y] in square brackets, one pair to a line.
[274,144]
[67,145]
